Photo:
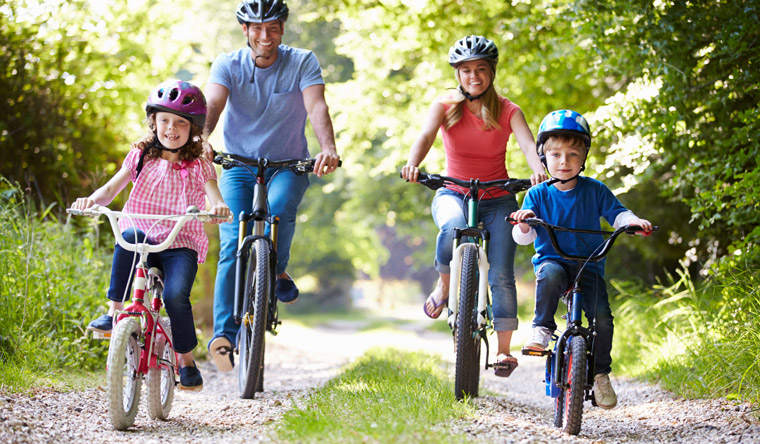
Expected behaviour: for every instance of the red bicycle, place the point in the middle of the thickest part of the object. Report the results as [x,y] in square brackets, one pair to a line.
[141,343]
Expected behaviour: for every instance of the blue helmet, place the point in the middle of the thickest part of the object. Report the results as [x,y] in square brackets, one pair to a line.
[563,122]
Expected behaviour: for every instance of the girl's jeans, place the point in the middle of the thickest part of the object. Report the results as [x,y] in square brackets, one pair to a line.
[285,189]
[448,214]
[179,266]
[553,278]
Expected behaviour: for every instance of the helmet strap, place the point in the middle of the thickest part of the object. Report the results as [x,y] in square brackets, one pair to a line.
[157,144]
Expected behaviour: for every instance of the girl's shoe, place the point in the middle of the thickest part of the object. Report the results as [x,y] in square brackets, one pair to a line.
[190,378]
[103,324]
[220,351]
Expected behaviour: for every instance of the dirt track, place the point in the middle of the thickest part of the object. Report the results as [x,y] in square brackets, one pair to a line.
[511,410]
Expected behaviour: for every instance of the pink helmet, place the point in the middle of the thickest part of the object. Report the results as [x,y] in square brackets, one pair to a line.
[178,97]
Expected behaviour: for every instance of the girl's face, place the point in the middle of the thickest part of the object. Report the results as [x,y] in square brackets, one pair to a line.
[565,161]
[173,131]
[475,76]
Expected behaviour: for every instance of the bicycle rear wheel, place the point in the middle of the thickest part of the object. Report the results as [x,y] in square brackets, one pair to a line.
[161,380]
[122,373]
[467,378]
[252,332]
[575,366]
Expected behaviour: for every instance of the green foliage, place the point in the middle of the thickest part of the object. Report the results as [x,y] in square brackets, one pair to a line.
[698,341]
[49,291]
[385,396]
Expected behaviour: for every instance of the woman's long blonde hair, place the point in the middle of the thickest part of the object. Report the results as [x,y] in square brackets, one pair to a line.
[490,110]
[191,151]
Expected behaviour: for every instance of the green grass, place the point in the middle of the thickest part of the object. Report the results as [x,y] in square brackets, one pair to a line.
[385,396]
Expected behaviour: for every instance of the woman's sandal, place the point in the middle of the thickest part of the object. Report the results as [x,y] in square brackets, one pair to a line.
[504,365]
[437,308]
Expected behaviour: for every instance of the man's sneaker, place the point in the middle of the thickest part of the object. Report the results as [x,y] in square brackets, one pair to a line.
[539,339]
[286,291]
[604,394]
[101,326]
[220,351]
[190,378]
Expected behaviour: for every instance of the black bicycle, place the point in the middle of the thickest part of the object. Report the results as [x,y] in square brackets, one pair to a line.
[256,260]
[470,315]
[570,364]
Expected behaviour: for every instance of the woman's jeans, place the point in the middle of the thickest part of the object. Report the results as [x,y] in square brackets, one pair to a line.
[553,278]
[448,214]
[179,267]
[285,189]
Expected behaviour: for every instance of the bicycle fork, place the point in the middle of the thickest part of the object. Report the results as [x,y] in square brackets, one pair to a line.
[456,268]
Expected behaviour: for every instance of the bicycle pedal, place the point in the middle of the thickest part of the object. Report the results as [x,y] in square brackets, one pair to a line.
[101,335]
[539,353]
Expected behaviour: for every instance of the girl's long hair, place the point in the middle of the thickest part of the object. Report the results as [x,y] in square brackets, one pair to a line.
[490,110]
[191,151]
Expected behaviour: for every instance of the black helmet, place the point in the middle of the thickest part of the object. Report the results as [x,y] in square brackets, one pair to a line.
[260,11]
[473,47]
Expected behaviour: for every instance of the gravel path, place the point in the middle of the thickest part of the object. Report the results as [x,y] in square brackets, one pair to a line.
[511,410]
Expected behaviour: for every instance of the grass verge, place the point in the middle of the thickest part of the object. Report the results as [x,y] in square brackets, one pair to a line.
[387,395]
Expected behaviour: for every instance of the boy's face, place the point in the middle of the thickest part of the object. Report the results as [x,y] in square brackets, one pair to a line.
[565,161]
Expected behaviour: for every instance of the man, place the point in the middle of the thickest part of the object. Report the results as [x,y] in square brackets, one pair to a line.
[269,89]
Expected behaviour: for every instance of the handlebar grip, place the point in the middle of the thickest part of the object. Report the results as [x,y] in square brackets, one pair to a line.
[637,230]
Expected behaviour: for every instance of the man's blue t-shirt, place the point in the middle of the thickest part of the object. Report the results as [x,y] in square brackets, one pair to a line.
[266,117]
[578,208]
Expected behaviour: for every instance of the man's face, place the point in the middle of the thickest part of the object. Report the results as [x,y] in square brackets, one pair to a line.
[264,38]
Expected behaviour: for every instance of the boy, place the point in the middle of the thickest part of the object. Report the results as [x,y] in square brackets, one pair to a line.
[573,201]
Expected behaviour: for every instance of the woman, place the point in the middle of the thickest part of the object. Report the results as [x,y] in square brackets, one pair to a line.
[476,124]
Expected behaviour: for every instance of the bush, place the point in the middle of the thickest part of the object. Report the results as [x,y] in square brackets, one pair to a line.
[53,283]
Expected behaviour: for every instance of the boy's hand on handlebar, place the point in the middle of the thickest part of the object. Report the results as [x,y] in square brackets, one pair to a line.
[643,223]
[326,162]
[521,215]
[410,172]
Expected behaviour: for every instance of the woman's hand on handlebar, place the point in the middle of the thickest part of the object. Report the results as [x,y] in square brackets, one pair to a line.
[521,215]
[410,172]
[537,178]
[326,162]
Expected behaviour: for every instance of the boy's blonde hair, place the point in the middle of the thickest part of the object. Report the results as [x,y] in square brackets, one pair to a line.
[567,141]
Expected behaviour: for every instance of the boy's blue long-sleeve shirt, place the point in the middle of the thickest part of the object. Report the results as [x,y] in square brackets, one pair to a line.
[579,208]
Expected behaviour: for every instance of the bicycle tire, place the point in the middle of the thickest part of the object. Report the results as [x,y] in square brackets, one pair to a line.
[467,378]
[122,374]
[161,381]
[575,366]
[252,338]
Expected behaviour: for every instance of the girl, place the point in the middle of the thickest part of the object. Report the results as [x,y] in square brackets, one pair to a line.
[476,124]
[169,175]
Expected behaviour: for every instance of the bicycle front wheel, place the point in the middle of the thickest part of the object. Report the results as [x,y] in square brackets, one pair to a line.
[575,366]
[467,378]
[161,380]
[252,332]
[122,374]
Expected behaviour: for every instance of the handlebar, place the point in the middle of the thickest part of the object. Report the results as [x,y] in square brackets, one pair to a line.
[551,229]
[113,217]
[435,181]
[298,166]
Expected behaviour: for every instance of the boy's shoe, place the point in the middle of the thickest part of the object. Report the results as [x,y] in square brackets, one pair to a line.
[286,291]
[539,339]
[220,351]
[102,325]
[604,394]
[190,378]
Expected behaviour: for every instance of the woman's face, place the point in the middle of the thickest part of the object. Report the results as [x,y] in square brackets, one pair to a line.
[173,131]
[475,76]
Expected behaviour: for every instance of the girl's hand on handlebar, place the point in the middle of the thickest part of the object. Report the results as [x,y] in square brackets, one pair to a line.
[521,215]
[82,203]
[220,209]
[410,172]
[326,162]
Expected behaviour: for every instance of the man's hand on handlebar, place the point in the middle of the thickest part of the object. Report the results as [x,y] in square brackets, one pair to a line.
[326,162]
